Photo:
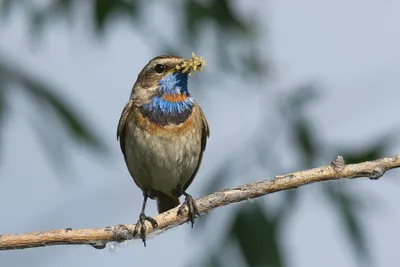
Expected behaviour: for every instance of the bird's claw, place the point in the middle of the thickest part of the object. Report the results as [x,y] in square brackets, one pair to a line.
[192,209]
[141,223]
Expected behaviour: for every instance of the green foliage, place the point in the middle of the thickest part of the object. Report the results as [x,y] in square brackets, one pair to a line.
[54,110]
[303,134]
[5,7]
[218,12]
[304,139]
[230,29]
[348,209]
[3,109]
[247,232]
[254,231]
[370,152]
[104,10]
[256,235]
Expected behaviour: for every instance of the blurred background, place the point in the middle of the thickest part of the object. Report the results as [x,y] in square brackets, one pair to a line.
[289,85]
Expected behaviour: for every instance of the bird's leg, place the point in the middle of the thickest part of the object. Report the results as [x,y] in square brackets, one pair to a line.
[141,222]
[191,204]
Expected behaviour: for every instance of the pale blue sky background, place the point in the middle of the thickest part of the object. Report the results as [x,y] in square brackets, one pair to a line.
[351,48]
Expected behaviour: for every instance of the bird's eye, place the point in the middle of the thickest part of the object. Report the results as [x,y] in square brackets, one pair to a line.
[159,68]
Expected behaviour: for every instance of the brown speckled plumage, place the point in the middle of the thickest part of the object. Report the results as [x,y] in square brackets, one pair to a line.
[162,158]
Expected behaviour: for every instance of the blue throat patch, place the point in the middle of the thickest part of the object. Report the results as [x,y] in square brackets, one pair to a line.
[175,83]
[173,103]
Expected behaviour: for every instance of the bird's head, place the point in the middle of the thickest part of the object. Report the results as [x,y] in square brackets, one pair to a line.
[165,78]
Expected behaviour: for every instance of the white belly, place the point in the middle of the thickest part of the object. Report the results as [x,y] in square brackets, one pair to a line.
[160,162]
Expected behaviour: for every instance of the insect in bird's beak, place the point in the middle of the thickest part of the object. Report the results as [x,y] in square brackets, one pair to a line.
[190,65]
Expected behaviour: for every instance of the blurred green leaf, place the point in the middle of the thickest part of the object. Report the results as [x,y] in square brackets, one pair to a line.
[56,110]
[292,108]
[303,136]
[214,183]
[218,11]
[213,261]
[255,232]
[5,7]
[2,100]
[64,6]
[289,204]
[293,104]
[195,14]
[219,177]
[65,113]
[104,10]
[348,209]
[368,153]
[230,29]
[256,235]
[38,21]
[46,15]
[256,65]
[3,110]
[53,142]
[222,12]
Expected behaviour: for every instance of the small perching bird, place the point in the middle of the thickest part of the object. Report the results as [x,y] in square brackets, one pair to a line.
[163,133]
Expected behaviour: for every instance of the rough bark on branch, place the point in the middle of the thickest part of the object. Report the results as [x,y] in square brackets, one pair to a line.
[99,237]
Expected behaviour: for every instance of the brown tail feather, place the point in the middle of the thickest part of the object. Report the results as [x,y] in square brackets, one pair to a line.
[165,202]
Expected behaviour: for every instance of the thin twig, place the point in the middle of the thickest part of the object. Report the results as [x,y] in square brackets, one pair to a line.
[99,237]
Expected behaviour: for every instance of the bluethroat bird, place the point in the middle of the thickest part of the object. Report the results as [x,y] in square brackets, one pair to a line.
[163,133]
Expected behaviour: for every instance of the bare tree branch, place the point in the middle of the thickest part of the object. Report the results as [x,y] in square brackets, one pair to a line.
[99,237]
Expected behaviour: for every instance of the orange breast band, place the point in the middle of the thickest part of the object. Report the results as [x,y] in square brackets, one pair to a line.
[175,97]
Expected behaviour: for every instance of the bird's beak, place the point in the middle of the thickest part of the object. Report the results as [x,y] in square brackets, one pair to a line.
[190,65]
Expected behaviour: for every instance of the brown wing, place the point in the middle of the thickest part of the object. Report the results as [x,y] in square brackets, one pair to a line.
[121,132]
[205,135]
[122,126]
